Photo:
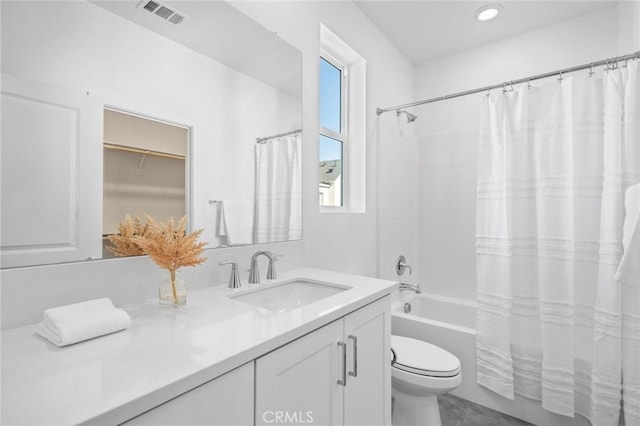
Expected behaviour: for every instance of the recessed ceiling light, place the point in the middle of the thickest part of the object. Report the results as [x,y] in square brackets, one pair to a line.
[488,12]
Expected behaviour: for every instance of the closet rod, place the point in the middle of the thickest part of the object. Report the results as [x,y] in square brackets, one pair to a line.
[142,151]
[610,63]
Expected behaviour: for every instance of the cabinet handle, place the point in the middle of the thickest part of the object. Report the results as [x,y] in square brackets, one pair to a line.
[343,381]
[354,373]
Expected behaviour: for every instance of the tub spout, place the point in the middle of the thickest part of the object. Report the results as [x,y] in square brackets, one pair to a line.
[415,288]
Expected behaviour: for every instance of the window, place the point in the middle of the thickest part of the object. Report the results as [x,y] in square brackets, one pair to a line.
[332,131]
[342,138]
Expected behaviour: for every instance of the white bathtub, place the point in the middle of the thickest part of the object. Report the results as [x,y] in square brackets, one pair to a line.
[440,311]
[450,323]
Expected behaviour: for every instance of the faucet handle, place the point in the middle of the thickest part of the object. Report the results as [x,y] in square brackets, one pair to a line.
[271,269]
[234,278]
[402,265]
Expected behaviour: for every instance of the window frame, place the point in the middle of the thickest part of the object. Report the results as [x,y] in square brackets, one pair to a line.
[343,135]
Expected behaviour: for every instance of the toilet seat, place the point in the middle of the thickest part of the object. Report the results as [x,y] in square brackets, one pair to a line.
[422,358]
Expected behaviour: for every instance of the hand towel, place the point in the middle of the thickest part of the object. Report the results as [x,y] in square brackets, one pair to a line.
[236,221]
[74,323]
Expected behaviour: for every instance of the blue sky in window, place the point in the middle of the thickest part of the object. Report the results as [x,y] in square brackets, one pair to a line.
[330,149]
[330,96]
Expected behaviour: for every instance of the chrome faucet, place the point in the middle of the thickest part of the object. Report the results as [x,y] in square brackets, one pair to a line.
[401,266]
[234,278]
[254,274]
[415,288]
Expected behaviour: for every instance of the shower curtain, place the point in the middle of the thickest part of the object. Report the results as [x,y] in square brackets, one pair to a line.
[278,206]
[558,313]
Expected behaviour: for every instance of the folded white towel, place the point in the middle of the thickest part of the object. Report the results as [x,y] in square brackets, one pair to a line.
[74,323]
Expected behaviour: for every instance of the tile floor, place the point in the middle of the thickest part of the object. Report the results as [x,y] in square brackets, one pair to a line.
[456,411]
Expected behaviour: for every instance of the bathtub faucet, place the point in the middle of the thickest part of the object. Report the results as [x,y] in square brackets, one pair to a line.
[415,288]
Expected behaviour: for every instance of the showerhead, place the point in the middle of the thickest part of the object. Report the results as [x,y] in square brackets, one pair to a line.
[410,117]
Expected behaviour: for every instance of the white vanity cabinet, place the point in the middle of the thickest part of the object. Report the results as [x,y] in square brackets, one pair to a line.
[367,396]
[222,362]
[337,375]
[224,401]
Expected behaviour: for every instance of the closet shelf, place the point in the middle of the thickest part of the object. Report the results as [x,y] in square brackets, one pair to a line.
[109,145]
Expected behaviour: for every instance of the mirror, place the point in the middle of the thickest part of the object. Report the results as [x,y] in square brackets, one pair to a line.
[205,68]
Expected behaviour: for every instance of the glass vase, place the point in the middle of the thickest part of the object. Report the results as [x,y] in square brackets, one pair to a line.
[173,291]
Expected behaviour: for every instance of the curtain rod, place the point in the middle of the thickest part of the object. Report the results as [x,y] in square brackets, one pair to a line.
[610,63]
[263,140]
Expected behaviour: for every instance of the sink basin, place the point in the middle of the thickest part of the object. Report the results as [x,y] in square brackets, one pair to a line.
[289,294]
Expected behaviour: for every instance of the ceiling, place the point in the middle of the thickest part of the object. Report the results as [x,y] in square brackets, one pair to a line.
[427,29]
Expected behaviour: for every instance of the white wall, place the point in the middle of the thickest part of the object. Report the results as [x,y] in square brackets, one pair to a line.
[157,188]
[448,130]
[398,196]
[337,241]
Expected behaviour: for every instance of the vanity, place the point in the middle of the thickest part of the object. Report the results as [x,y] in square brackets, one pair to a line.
[227,357]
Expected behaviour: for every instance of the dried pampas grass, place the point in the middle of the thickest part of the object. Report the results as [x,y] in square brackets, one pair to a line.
[170,247]
[123,242]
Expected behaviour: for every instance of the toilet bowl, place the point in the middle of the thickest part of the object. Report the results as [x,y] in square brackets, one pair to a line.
[420,372]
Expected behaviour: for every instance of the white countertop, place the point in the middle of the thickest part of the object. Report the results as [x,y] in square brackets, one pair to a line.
[166,352]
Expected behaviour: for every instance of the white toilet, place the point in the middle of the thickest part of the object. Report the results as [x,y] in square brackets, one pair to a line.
[419,372]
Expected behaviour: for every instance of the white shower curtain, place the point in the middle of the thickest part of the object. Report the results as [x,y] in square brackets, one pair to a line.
[278,206]
[554,162]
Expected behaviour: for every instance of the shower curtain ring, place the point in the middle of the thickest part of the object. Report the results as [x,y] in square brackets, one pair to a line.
[488,89]
[560,78]
[591,70]
[528,83]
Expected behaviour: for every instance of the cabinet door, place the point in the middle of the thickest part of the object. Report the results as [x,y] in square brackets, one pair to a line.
[367,398]
[298,383]
[224,401]
[51,174]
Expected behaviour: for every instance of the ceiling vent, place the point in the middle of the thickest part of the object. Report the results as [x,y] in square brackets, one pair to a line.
[162,11]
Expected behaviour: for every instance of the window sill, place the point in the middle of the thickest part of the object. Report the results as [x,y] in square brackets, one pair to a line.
[343,209]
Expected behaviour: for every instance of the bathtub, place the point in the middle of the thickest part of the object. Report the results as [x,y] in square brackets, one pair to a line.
[438,311]
[450,323]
